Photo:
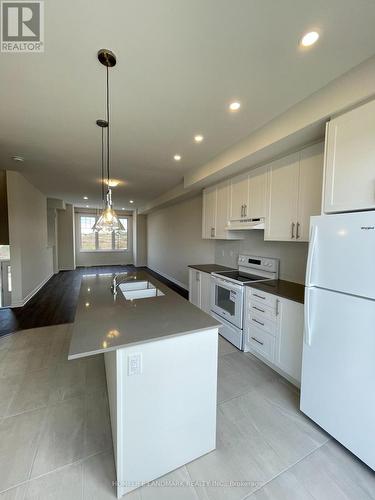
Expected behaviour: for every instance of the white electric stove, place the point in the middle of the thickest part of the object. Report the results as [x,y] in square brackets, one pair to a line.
[227,293]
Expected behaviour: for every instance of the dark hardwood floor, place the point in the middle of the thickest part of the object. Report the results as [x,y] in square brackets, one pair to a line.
[56,301]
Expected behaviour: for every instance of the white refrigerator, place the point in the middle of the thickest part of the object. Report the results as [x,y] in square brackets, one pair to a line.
[338,367]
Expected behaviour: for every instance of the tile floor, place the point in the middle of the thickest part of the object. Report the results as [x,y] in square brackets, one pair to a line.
[55,439]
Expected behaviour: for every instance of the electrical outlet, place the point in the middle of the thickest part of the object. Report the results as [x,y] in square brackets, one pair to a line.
[134,364]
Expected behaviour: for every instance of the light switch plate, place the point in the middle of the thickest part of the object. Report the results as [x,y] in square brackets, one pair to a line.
[134,364]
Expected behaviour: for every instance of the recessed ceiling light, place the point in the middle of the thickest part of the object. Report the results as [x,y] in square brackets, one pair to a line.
[177,157]
[85,197]
[123,208]
[18,158]
[234,106]
[131,201]
[87,206]
[198,138]
[309,38]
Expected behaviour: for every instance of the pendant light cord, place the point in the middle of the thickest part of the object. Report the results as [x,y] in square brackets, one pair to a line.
[108,134]
[103,194]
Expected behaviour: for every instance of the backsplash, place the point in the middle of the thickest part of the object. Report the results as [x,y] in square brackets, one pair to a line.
[292,255]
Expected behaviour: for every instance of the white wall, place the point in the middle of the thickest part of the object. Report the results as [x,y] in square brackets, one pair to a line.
[293,256]
[174,240]
[139,239]
[66,239]
[31,259]
[88,259]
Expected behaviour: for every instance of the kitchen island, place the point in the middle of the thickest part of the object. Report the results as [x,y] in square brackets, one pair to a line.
[160,356]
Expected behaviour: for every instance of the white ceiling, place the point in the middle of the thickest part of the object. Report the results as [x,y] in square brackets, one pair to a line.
[180,62]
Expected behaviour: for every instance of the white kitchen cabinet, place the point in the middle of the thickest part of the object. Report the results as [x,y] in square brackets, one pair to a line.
[350,161]
[205,281]
[294,193]
[257,193]
[209,212]
[200,289]
[310,188]
[282,198]
[222,209]
[274,332]
[215,213]
[239,196]
[194,287]
[289,340]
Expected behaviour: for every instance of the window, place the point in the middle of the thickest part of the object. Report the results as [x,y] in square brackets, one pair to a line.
[101,242]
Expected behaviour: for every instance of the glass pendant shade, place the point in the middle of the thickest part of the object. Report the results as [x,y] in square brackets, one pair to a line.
[108,222]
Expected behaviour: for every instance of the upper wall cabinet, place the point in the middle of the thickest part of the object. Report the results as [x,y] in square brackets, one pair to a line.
[215,216]
[257,193]
[350,161]
[294,194]
[209,212]
[239,196]
[248,195]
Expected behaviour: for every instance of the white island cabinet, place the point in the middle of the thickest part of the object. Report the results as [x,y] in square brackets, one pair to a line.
[160,356]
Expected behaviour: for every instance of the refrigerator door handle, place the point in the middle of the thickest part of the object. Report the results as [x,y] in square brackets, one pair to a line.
[310,258]
[307,333]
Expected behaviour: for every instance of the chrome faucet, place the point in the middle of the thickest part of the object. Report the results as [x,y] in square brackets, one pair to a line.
[116,282]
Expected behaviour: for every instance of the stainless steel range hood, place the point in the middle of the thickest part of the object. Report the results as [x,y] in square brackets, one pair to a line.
[244,224]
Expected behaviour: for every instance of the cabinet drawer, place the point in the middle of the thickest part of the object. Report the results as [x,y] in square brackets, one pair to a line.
[261,342]
[264,298]
[262,322]
[261,310]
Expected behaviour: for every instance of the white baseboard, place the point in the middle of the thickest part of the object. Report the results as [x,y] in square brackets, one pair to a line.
[21,303]
[170,278]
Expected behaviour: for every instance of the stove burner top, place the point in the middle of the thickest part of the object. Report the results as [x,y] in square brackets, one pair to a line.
[242,278]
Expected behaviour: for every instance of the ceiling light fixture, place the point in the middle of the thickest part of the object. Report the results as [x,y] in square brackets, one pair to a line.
[177,157]
[234,106]
[85,198]
[108,222]
[309,38]
[112,183]
[18,158]
[198,138]
[131,201]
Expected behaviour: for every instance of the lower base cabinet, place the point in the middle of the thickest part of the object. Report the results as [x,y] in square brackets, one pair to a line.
[274,332]
[199,289]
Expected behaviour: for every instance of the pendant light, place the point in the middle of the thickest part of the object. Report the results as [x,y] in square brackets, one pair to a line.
[102,124]
[108,222]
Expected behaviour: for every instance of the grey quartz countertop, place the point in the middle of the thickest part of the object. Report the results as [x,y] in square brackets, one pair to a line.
[105,323]
[211,268]
[282,288]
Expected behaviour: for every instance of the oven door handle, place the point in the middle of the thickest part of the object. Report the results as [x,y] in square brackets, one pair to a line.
[228,284]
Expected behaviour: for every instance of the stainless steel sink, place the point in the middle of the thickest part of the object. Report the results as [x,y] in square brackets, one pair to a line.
[139,290]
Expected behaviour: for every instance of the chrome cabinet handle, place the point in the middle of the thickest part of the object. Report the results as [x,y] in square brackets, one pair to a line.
[293,226]
[277,307]
[197,276]
[297,233]
[256,340]
[256,321]
[259,296]
[212,232]
[259,309]
[242,210]
[245,210]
